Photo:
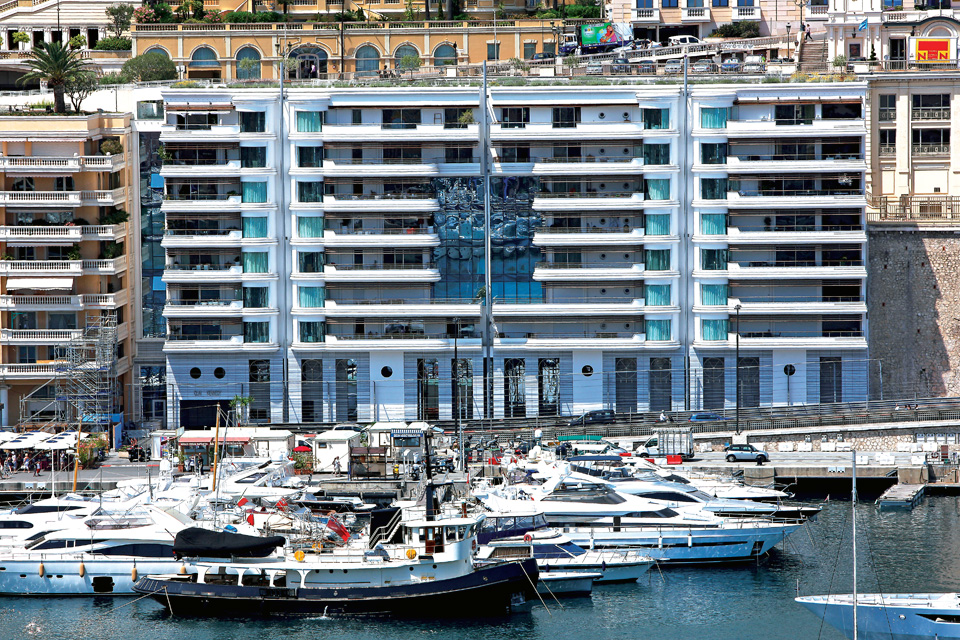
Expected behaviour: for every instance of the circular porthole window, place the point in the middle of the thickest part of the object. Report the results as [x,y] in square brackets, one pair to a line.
[219,372]
[587,370]
[602,115]
[603,256]
[626,256]
[195,373]
[626,290]
[386,372]
[603,290]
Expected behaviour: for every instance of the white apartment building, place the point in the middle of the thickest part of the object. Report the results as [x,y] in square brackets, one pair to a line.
[327,255]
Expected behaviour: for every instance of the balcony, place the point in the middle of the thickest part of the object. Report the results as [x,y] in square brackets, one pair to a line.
[590,201]
[40,268]
[784,269]
[373,132]
[768,305]
[202,202]
[39,165]
[695,14]
[38,336]
[930,113]
[815,12]
[30,235]
[187,238]
[944,210]
[421,272]
[626,131]
[589,271]
[580,235]
[226,272]
[646,16]
[409,237]
[587,165]
[38,370]
[761,163]
[231,307]
[746,233]
[930,149]
[767,126]
[198,132]
[794,198]
[393,202]
[62,302]
[741,14]
[111,266]
[228,168]
[786,339]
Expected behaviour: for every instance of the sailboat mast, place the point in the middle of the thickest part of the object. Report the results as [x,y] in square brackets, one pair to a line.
[853,502]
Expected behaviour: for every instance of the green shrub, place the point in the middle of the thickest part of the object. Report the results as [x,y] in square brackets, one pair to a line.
[737,30]
[113,147]
[113,78]
[113,44]
[267,16]
[239,17]
[148,67]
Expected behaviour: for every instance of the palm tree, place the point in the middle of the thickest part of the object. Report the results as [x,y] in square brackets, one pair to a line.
[55,64]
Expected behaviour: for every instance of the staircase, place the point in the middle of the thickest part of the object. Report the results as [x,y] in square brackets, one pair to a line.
[813,56]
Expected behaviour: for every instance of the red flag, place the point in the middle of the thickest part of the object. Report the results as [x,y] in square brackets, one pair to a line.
[334,525]
[282,504]
[250,519]
[242,502]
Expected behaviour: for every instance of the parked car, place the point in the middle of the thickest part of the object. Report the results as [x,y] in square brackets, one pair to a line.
[676,41]
[347,427]
[595,69]
[138,454]
[745,452]
[731,65]
[597,416]
[544,55]
[621,65]
[673,67]
[754,64]
[704,66]
[647,67]
[706,416]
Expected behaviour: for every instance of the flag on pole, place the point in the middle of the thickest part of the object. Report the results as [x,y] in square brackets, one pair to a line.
[863,25]
[242,502]
[250,519]
[334,525]
[281,504]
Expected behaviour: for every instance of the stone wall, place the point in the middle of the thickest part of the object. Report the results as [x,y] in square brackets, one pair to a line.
[880,440]
[913,303]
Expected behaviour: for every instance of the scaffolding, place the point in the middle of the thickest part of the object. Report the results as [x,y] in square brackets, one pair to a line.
[85,392]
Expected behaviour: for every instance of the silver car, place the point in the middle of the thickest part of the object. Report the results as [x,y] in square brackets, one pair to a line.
[745,453]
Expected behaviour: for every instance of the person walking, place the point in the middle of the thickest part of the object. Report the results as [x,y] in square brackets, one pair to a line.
[336,465]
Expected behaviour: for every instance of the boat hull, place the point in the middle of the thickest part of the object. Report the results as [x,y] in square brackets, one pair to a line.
[489,590]
[889,617]
[101,576]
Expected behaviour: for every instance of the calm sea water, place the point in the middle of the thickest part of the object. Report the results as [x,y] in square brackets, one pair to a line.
[898,551]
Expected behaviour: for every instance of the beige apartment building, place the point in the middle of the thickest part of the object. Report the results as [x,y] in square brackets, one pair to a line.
[64,248]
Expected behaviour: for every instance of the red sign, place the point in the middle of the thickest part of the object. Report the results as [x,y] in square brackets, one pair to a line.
[931,49]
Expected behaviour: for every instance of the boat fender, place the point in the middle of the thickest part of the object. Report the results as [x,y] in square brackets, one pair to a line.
[83,570]
[411,554]
[299,555]
[689,540]
[133,574]
[527,537]
[183,570]
[42,571]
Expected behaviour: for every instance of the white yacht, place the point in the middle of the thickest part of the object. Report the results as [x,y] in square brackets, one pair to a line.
[911,616]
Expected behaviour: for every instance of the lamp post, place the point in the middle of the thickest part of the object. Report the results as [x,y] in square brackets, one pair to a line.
[788,40]
[456,391]
[737,309]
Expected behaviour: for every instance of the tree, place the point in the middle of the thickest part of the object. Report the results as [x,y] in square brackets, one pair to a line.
[284,4]
[149,67]
[20,37]
[120,15]
[80,86]
[77,42]
[56,65]
[410,63]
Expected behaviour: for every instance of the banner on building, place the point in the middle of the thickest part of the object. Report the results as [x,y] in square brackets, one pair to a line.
[933,49]
[594,34]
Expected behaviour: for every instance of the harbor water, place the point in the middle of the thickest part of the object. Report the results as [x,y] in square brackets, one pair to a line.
[898,551]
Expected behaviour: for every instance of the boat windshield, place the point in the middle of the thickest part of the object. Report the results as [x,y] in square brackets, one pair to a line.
[591,494]
[662,513]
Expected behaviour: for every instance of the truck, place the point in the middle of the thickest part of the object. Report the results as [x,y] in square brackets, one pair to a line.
[596,38]
[669,441]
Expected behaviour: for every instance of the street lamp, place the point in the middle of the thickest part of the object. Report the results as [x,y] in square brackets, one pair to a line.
[737,309]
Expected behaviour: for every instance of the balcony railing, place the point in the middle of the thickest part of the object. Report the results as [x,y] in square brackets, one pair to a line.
[201,196]
[11,301]
[587,194]
[589,265]
[935,113]
[887,114]
[796,263]
[380,267]
[349,231]
[66,163]
[202,267]
[888,149]
[383,196]
[40,266]
[38,335]
[793,228]
[927,209]
[780,193]
[64,232]
[764,333]
[791,299]
[796,157]
[221,302]
[588,159]
[931,149]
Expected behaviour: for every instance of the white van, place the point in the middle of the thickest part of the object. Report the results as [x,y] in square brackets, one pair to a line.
[754,64]
[676,41]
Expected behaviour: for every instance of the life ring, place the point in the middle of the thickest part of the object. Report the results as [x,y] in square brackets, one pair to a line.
[317,546]
[527,537]
[411,554]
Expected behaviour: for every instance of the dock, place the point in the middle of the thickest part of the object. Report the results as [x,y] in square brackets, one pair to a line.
[901,496]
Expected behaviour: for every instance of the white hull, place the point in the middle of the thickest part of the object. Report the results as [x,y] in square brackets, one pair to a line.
[913,616]
[566,583]
[61,575]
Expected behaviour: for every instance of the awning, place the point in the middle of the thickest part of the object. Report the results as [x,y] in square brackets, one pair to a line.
[200,106]
[209,439]
[40,284]
[788,100]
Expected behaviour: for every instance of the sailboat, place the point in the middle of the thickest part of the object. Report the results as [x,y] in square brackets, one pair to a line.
[877,616]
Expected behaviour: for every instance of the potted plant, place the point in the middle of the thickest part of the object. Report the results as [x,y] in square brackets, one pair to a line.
[302,464]
[88,451]
[181,460]
[163,154]
[241,405]
[21,39]
[74,253]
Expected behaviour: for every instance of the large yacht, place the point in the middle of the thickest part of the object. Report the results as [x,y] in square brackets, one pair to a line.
[911,616]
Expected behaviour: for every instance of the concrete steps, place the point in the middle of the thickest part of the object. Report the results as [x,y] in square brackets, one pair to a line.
[813,57]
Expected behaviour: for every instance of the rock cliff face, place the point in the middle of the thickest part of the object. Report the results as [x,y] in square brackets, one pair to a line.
[913,302]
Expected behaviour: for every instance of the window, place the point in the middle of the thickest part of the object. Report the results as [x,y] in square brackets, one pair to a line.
[656,154]
[713,152]
[310,261]
[312,297]
[458,154]
[309,122]
[405,51]
[713,224]
[713,330]
[656,189]
[713,188]
[515,154]
[368,61]
[309,157]
[255,297]
[457,118]
[248,64]
[493,51]
[256,262]
[656,295]
[842,110]
[63,183]
[831,379]
[888,141]
[713,117]
[312,330]
[253,122]
[254,192]
[255,227]
[790,114]
[356,116]
[309,227]
[310,191]
[26,355]
[656,118]
[445,54]
[669,3]
[657,259]
[514,117]
[657,330]
[150,110]
[256,332]
[253,157]
[713,295]
[934,106]
[529,50]
[566,117]
[656,224]
[888,108]
[401,118]
[714,259]
[927,141]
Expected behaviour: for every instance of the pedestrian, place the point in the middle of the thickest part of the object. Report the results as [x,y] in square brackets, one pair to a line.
[191,461]
[36,467]
[663,416]
[336,465]
[806,34]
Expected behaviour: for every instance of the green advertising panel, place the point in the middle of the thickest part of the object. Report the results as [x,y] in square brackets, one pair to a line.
[594,34]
